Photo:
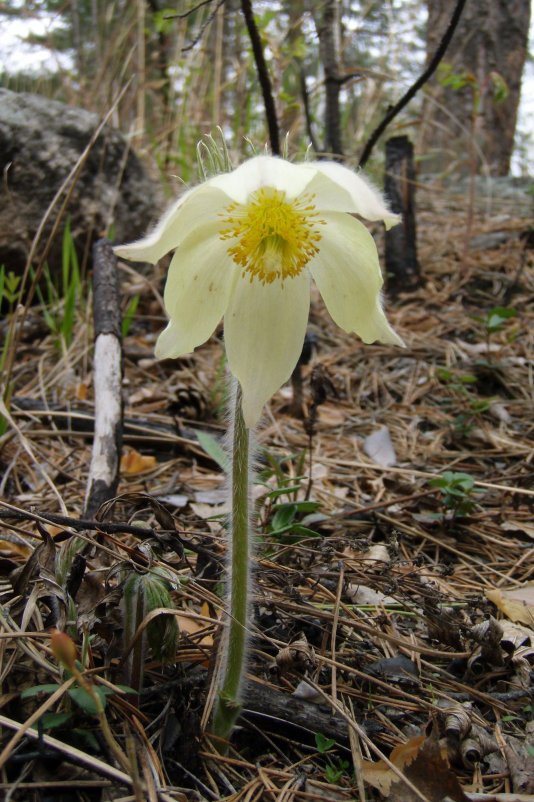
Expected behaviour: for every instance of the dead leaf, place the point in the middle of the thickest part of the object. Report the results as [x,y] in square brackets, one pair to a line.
[518,526]
[191,625]
[456,718]
[297,656]
[377,553]
[424,763]
[133,462]
[515,635]
[431,774]
[375,556]
[500,412]
[11,548]
[361,594]
[522,660]
[81,391]
[306,692]
[380,775]
[379,448]
[398,669]
[213,515]
[517,604]
[175,500]
[521,765]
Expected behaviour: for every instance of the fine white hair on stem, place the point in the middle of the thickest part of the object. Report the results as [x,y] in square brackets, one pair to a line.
[235,586]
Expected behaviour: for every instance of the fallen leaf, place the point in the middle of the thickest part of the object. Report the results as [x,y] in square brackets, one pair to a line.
[361,594]
[431,774]
[377,553]
[10,548]
[307,693]
[423,761]
[514,636]
[396,669]
[213,515]
[380,775]
[133,462]
[379,448]
[521,765]
[500,412]
[518,526]
[517,603]
[175,500]
[191,625]
[81,391]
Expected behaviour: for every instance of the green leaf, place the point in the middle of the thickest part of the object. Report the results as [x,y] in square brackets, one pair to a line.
[497,316]
[213,449]
[51,721]
[87,739]
[304,507]
[500,87]
[283,516]
[126,689]
[128,316]
[323,743]
[283,491]
[86,701]
[303,531]
[28,693]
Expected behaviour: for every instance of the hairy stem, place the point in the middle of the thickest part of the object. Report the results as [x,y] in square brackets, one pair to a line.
[227,706]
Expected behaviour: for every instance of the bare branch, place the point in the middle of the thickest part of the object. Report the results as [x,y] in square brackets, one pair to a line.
[263,75]
[405,99]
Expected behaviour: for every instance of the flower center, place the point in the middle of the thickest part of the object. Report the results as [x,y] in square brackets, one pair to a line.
[274,237]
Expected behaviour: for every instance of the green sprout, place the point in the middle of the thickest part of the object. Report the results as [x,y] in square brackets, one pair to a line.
[471,406]
[494,321]
[334,770]
[60,304]
[457,491]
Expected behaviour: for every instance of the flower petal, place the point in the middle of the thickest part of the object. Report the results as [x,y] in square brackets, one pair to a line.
[193,208]
[347,272]
[198,288]
[338,189]
[264,171]
[264,330]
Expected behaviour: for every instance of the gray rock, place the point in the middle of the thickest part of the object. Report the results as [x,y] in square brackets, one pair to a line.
[40,142]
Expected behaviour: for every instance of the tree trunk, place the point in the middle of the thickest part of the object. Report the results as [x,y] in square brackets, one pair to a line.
[402,267]
[327,24]
[489,44]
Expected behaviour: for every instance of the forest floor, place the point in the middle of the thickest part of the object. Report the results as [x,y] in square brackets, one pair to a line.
[392,630]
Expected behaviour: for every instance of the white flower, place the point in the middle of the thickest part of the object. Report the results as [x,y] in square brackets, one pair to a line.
[245,246]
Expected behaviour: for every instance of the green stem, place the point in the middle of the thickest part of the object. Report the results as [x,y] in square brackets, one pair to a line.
[227,706]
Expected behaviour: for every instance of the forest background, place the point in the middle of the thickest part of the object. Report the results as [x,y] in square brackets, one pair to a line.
[83,49]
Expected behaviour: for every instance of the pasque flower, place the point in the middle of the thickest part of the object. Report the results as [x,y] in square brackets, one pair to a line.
[246,244]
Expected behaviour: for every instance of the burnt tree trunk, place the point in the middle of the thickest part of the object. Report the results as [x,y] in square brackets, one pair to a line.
[490,44]
[402,267]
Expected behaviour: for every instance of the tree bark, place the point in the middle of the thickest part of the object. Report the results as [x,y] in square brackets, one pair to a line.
[491,40]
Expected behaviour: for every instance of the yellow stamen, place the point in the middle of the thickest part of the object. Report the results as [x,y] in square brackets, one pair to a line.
[275,237]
